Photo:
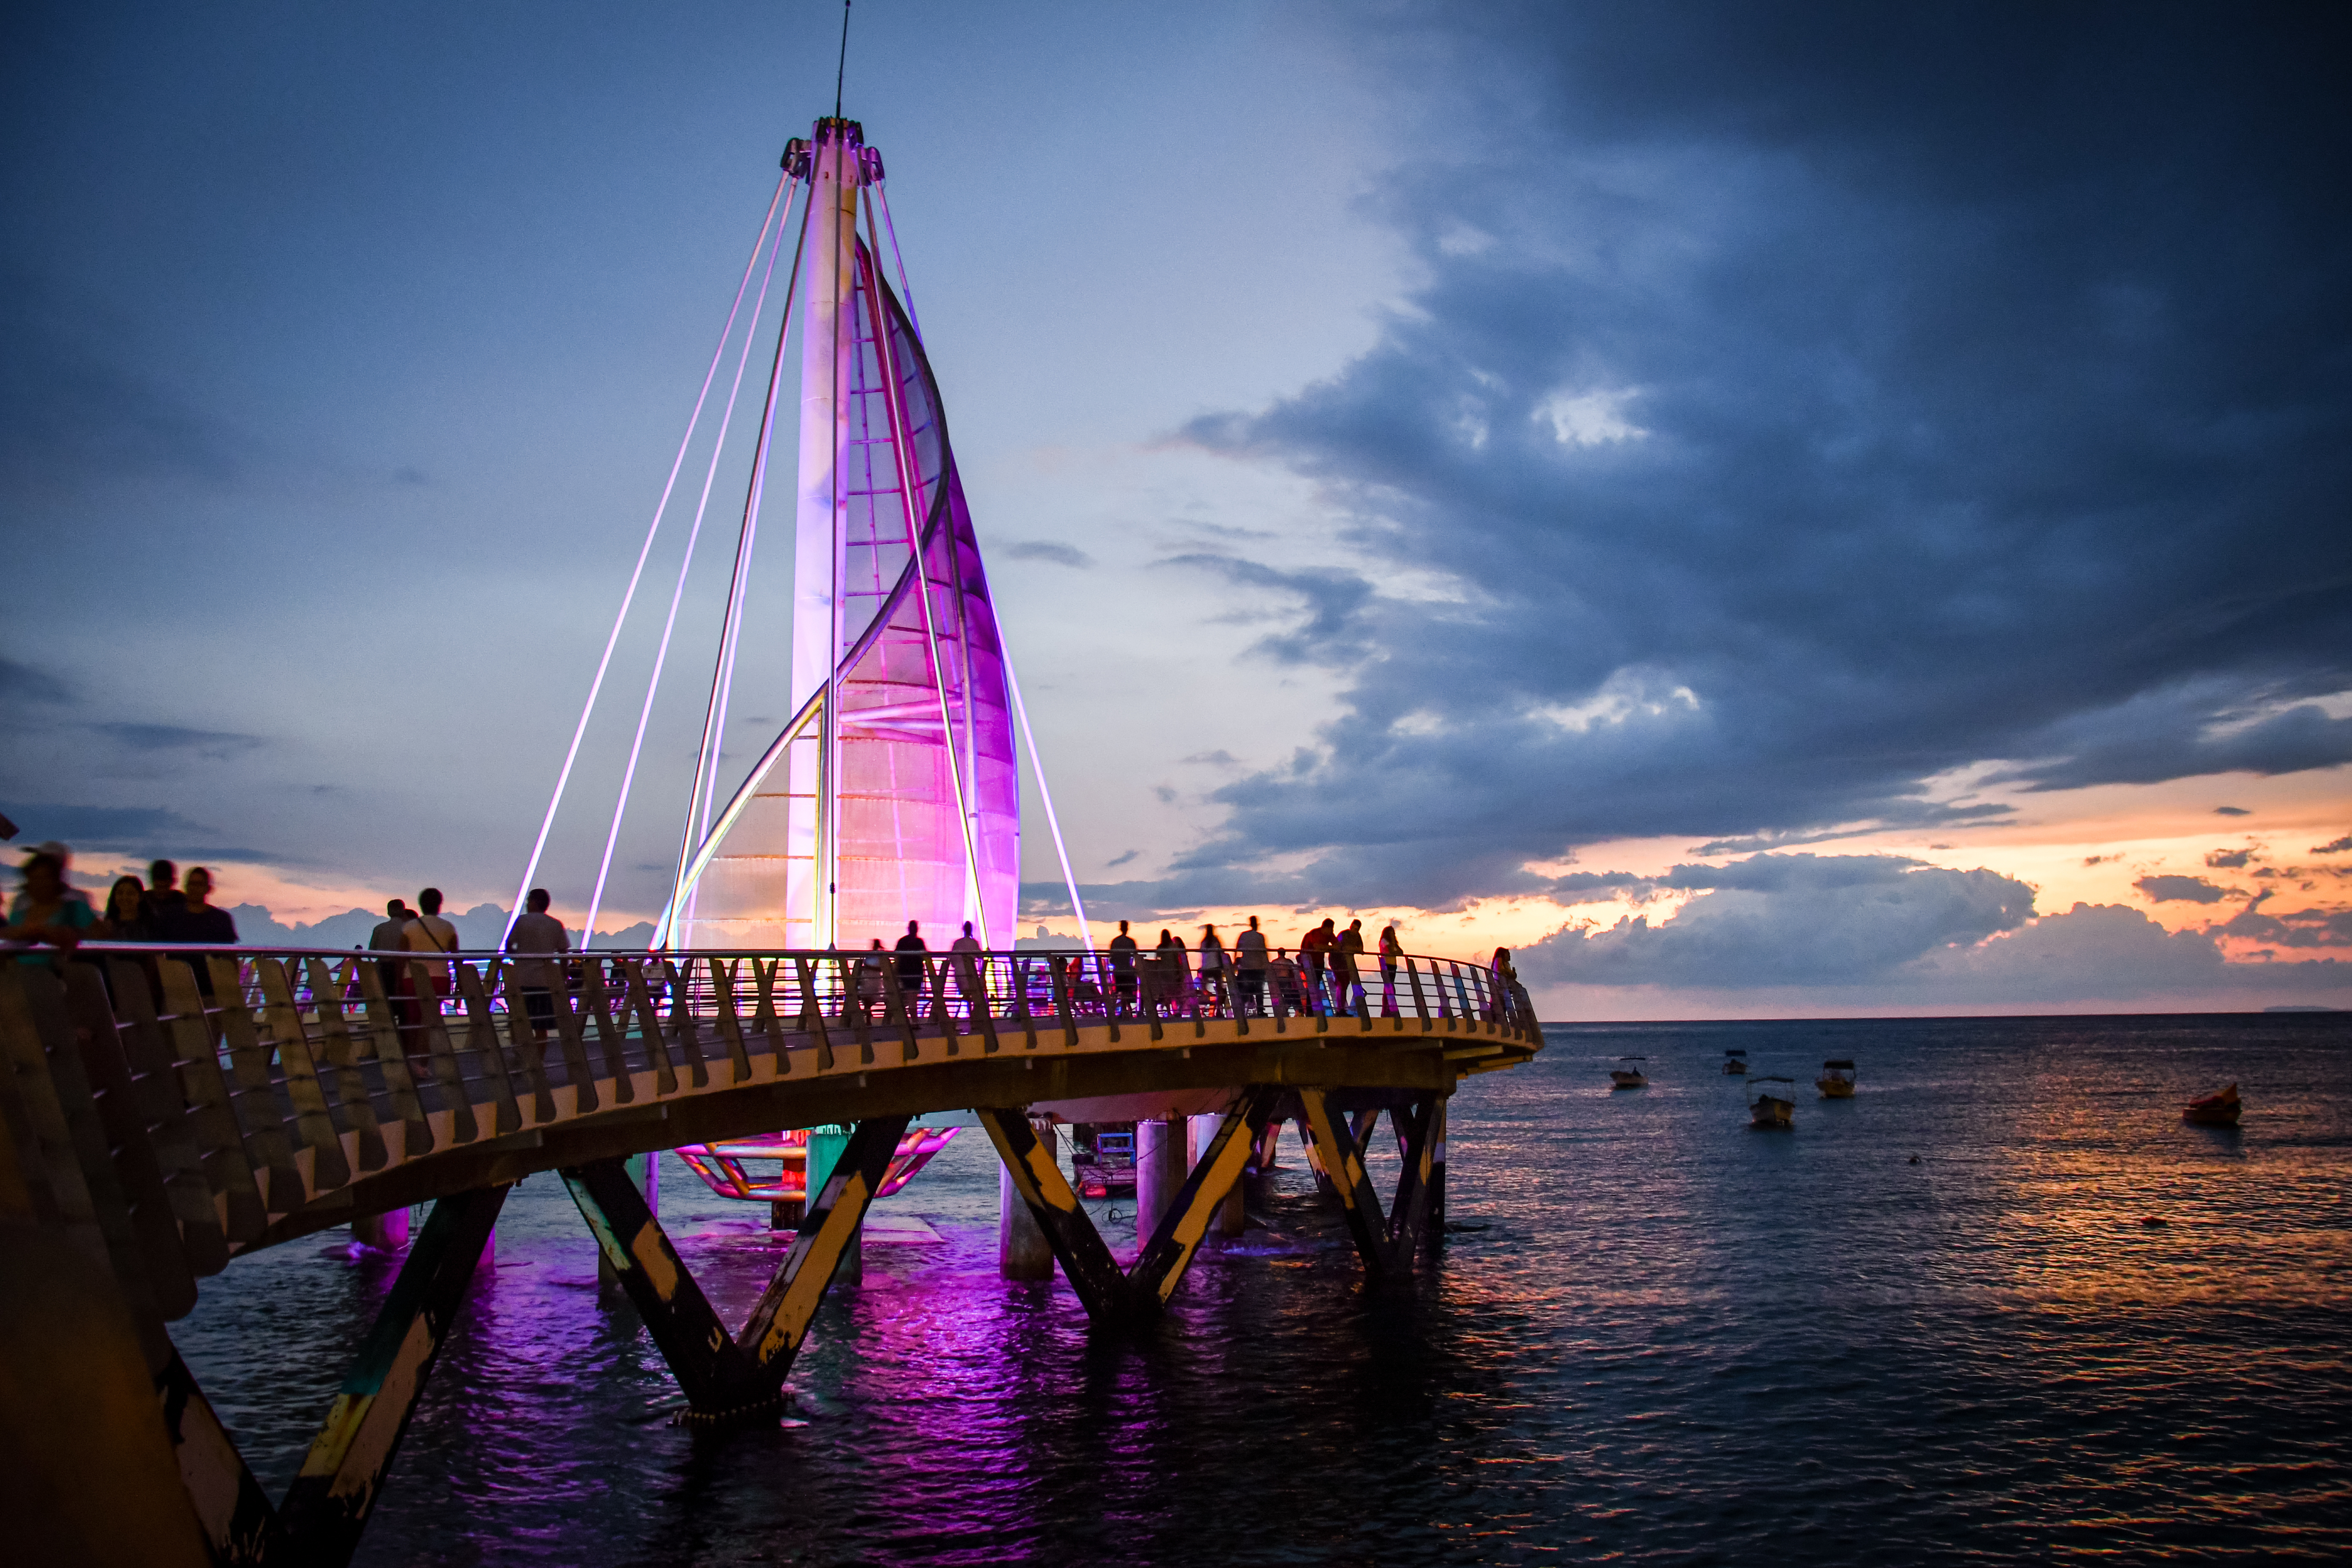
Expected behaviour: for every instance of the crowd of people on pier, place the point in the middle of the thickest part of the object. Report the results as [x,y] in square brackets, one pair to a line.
[1327,971]
[49,911]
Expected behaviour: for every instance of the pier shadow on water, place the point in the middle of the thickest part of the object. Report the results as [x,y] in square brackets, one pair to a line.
[1655,1334]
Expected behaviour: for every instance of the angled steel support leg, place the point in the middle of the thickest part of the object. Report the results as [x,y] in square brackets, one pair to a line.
[1409,1215]
[239,1520]
[1078,1245]
[708,1368]
[1163,1262]
[345,1473]
[1343,1164]
[773,1334]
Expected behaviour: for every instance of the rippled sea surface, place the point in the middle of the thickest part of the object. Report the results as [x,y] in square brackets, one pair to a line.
[2073,1329]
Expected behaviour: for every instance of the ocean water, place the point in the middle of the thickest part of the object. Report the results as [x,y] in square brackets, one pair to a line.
[2072,1328]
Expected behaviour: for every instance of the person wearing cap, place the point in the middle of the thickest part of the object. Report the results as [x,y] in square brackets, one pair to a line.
[46,912]
[63,854]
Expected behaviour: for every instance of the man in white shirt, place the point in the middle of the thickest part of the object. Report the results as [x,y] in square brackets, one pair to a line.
[536,931]
[970,978]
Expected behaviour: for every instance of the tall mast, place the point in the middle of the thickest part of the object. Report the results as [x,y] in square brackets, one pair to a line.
[828,339]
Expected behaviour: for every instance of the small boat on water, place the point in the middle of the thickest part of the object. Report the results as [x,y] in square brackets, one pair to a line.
[1771,1101]
[1735,1061]
[2215,1110]
[1836,1081]
[1628,1077]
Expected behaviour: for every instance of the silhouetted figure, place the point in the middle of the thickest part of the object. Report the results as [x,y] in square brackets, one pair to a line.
[971,974]
[163,899]
[1347,968]
[1315,950]
[536,931]
[1391,952]
[1122,970]
[202,920]
[912,950]
[428,932]
[390,935]
[1249,969]
[1213,972]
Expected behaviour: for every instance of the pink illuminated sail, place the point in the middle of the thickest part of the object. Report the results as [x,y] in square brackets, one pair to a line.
[891,795]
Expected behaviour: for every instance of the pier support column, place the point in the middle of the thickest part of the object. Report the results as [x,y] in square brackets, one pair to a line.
[1022,1250]
[1434,1240]
[1230,1218]
[386,1231]
[1160,1169]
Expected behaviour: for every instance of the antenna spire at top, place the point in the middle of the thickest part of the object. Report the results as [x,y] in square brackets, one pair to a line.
[843,68]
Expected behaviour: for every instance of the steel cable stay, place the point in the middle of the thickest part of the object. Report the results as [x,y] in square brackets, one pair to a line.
[723,677]
[785,186]
[678,594]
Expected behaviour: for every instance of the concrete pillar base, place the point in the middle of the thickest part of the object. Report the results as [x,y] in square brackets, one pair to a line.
[386,1232]
[1022,1251]
[1160,1172]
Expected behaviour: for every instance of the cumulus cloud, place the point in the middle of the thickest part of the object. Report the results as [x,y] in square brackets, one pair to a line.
[1988,412]
[1788,920]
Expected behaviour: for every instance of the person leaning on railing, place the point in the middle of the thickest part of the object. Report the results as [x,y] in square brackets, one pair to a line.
[1249,969]
[44,913]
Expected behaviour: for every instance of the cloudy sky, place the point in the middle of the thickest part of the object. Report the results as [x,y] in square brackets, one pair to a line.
[1763,509]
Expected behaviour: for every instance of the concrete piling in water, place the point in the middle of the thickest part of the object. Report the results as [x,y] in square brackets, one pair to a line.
[1160,1172]
[1022,1249]
[386,1231]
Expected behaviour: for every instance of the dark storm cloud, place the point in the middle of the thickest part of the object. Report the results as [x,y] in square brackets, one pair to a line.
[2179,889]
[142,830]
[2328,926]
[1806,403]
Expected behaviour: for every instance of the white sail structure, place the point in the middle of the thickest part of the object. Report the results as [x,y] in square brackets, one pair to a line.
[891,794]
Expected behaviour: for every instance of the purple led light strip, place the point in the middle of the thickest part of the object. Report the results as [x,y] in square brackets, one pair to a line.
[572,755]
[677,593]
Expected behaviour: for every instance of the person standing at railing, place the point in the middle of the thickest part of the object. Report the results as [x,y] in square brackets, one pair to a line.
[125,918]
[164,901]
[1249,969]
[44,914]
[1315,948]
[428,932]
[1213,972]
[536,931]
[869,979]
[1122,971]
[911,949]
[970,977]
[1392,950]
[202,920]
[1286,981]
[390,935]
[1175,969]
[1347,969]
[1501,974]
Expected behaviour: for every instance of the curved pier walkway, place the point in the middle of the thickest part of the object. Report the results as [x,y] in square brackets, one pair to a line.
[167,1110]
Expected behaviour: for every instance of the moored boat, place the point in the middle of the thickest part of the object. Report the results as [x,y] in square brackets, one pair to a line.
[1628,1077]
[1771,1101]
[2215,1110]
[1735,1061]
[1836,1081]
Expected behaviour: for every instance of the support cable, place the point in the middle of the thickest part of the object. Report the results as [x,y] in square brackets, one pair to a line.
[678,594]
[723,675]
[563,775]
[1037,770]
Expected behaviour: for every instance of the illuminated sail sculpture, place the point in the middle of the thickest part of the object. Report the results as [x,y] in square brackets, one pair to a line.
[891,794]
